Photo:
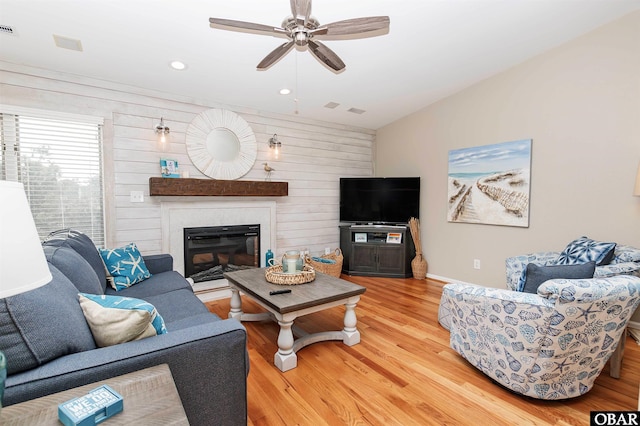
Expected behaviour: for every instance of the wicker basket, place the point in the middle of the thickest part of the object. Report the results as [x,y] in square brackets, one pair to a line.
[419,267]
[274,275]
[333,269]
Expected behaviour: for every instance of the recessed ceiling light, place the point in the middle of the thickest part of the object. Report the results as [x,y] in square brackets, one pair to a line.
[177,65]
[285,91]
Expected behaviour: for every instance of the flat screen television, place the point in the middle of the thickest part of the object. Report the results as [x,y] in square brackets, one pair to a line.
[378,200]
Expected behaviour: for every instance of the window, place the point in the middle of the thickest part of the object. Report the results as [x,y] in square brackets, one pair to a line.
[58,159]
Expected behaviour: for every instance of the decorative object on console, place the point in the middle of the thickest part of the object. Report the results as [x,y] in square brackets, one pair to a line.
[497,177]
[23,266]
[221,144]
[419,263]
[276,145]
[169,168]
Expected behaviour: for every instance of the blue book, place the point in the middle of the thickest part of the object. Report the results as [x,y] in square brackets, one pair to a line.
[92,408]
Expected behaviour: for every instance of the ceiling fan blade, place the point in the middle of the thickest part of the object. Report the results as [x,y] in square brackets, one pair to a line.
[232,25]
[301,10]
[326,56]
[277,54]
[356,28]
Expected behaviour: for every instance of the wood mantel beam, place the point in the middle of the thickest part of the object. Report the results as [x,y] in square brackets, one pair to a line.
[211,187]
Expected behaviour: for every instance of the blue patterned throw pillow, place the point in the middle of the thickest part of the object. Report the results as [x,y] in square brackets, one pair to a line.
[117,319]
[125,266]
[583,250]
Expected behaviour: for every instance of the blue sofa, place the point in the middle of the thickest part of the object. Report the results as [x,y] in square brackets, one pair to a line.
[50,348]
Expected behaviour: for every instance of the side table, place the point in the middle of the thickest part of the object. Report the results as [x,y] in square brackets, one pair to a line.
[149,397]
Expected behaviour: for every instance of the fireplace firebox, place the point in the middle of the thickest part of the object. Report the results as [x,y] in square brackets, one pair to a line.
[212,250]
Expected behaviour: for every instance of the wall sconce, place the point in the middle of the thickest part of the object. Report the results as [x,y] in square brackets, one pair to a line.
[636,191]
[275,144]
[162,132]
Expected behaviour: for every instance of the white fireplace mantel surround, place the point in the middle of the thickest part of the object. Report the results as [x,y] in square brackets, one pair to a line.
[190,212]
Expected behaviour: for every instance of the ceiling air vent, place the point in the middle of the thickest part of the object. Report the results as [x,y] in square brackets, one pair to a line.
[331,105]
[7,29]
[356,110]
[67,43]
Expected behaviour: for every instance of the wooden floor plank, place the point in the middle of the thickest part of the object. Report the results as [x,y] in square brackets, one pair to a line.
[403,372]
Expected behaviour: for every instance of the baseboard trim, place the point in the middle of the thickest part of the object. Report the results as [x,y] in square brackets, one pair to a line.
[446,280]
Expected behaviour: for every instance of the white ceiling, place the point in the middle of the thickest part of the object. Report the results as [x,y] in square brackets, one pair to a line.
[433,48]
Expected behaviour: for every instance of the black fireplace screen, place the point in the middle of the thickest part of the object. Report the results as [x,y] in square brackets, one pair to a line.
[212,250]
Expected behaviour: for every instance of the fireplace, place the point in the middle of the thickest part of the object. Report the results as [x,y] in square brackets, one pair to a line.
[210,251]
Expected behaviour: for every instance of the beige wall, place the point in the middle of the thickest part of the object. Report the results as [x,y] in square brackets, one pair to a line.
[580,103]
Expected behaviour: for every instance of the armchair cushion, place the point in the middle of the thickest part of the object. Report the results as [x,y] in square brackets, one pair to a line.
[583,250]
[536,275]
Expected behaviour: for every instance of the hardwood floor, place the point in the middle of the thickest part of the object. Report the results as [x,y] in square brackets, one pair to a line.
[402,372]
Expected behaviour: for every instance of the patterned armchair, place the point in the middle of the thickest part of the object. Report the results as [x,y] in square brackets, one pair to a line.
[550,345]
[626,261]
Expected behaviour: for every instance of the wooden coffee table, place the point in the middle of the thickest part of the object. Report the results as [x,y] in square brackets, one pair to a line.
[322,293]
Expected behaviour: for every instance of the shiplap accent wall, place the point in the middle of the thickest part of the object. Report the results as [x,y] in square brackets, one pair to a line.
[314,154]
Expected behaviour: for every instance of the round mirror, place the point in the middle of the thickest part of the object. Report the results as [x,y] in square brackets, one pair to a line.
[221,144]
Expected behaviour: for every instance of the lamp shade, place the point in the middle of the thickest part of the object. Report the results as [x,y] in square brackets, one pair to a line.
[636,191]
[23,266]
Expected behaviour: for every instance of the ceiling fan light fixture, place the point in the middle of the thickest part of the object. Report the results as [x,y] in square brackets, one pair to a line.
[304,31]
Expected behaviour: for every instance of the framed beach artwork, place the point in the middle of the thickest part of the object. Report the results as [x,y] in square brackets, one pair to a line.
[490,184]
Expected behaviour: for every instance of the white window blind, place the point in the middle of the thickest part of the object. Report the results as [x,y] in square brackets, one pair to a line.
[59,162]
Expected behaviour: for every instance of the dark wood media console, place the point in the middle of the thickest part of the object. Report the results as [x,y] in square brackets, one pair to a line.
[376,250]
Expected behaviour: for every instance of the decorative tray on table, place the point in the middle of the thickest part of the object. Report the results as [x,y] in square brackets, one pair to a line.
[274,275]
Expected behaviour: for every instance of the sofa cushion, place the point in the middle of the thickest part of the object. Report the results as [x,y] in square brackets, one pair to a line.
[83,245]
[43,324]
[125,266]
[116,319]
[176,305]
[536,275]
[74,267]
[583,250]
[161,283]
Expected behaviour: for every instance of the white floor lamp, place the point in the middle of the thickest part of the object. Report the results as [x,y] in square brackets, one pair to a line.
[23,266]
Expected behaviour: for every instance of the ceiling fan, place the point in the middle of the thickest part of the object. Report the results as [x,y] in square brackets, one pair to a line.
[304,31]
